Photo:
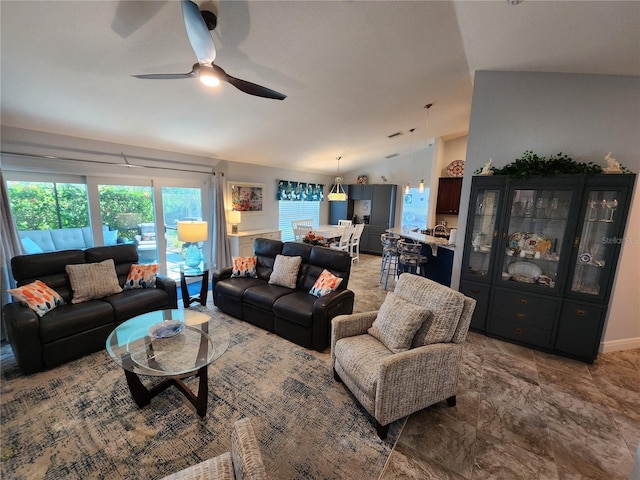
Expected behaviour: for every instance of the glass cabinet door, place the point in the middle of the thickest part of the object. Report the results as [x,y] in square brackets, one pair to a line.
[482,224]
[533,239]
[597,241]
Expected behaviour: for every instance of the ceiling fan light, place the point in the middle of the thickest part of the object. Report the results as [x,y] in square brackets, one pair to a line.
[208,76]
[421,186]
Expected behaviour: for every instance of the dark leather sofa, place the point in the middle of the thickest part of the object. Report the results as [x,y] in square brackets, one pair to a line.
[293,314]
[72,330]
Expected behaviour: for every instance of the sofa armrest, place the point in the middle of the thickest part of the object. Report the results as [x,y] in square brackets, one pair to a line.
[23,327]
[220,274]
[433,370]
[326,308]
[344,326]
[168,285]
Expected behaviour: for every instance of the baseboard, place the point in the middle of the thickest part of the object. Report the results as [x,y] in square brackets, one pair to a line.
[617,345]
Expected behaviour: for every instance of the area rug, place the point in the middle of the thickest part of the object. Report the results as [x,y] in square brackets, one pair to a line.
[78,421]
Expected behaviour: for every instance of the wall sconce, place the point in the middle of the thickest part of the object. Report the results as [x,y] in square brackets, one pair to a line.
[407,188]
[234,218]
[192,232]
[421,186]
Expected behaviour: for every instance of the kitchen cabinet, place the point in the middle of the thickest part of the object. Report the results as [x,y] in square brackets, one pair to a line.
[449,190]
[540,256]
[370,240]
[383,205]
[381,217]
[361,192]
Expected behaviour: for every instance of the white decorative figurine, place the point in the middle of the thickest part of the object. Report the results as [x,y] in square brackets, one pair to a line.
[612,165]
[486,170]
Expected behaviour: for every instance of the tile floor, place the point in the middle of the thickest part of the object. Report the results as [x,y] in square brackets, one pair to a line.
[521,414]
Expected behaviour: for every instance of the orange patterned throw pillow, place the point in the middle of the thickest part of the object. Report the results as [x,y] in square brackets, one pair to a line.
[244,267]
[38,297]
[141,276]
[327,282]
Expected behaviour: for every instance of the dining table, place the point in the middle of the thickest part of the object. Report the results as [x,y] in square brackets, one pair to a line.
[329,232]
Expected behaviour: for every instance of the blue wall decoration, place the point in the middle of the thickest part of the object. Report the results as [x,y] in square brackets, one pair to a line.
[300,191]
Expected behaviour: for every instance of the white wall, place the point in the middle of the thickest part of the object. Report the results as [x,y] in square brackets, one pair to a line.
[242,172]
[584,116]
[426,163]
[411,167]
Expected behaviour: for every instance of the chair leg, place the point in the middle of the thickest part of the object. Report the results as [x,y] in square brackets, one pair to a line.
[451,401]
[382,430]
[336,377]
[383,266]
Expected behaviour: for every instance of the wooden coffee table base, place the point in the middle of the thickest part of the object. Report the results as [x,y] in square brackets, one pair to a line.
[142,395]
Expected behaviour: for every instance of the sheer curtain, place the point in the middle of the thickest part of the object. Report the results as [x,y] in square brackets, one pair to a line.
[220,250]
[11,246]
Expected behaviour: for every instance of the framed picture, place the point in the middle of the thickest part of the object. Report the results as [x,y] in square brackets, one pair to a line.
[246,197]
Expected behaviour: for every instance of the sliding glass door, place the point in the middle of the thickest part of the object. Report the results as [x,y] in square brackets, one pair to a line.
[80,212]
[178,204]
[128,210]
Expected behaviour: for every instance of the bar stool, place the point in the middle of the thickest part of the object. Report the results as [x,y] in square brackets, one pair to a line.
[410,258]
[389,256]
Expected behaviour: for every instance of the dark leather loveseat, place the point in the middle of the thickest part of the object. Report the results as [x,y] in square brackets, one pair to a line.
[293,314]
[72,330]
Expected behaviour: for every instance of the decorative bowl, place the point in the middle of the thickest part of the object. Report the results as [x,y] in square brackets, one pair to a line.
[166,329]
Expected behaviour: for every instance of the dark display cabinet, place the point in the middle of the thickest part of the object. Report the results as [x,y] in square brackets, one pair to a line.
[540,256]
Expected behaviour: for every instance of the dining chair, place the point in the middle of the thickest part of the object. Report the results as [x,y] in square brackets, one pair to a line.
[301,228]
[344,243]
[355,242]
[344,223]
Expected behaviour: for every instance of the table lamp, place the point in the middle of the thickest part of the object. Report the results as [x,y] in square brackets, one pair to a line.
[192,232]
[234,219]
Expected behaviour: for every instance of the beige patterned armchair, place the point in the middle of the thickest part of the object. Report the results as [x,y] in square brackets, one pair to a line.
[244,462]
[410,357]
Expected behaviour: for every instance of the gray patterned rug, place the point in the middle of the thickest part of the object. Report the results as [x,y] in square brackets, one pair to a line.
[78,421]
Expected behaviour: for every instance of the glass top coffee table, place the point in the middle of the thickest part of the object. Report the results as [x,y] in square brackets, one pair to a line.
[175,344]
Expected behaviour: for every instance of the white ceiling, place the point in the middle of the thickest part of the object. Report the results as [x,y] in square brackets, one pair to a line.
[354,72]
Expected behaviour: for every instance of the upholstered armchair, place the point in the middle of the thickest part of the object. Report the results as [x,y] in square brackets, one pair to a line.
[406,356]
[244,462]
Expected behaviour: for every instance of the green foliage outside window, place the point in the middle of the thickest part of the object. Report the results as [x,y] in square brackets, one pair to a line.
[42,206]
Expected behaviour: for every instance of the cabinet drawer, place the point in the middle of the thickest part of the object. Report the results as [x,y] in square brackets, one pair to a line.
[579,330]
[527,309]
[520,332]
[480,293]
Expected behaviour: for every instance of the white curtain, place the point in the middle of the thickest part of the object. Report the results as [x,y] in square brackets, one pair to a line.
[11,246]
[220,250]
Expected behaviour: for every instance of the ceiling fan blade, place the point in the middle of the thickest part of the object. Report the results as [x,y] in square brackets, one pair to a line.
[198,33]
[165,76]
[248,87]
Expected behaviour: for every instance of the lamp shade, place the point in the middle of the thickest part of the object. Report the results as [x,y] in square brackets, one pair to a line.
[192,231]
[234,217]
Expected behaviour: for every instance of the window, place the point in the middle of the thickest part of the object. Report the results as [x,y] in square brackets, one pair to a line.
[414,209]
[42,209]
[290,211]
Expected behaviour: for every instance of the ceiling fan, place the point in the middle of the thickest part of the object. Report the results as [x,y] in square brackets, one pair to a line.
[198,25]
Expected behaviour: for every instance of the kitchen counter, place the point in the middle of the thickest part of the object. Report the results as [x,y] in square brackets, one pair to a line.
[440,255]
[430,240]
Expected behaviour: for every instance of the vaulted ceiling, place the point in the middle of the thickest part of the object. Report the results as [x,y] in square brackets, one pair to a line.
[353,72]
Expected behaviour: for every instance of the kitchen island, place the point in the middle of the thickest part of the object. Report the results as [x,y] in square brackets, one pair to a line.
[437,250]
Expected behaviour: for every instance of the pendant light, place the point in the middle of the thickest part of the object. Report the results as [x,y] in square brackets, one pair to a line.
[338,193]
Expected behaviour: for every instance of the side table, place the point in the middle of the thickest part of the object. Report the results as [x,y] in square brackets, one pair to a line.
[189,272]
